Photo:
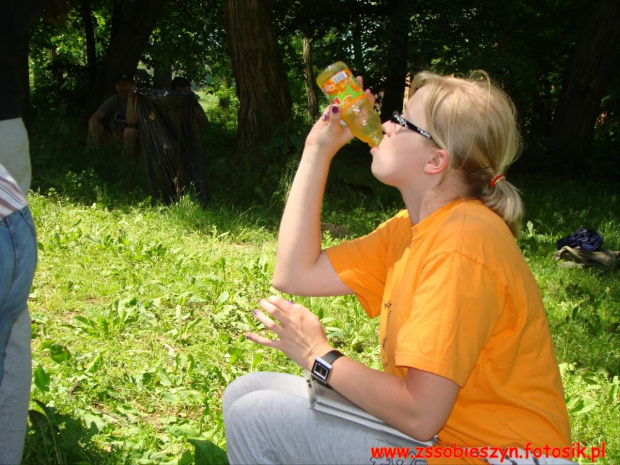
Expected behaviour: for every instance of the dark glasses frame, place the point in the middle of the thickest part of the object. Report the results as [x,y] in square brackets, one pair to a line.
[397,119]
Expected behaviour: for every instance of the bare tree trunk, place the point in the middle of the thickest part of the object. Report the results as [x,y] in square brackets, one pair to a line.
[585,77]
[162,76]
[262,86]
[116,18]
[89,32]
[125,48]
[396,71]
[313,103]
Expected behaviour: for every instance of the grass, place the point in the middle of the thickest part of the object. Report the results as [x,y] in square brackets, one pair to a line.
[139,309]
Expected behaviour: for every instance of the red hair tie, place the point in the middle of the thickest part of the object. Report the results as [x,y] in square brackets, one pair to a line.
[497,179]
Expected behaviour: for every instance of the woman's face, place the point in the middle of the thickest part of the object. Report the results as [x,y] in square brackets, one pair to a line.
[400,157]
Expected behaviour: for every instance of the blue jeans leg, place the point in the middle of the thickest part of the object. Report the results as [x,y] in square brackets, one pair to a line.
[18,257]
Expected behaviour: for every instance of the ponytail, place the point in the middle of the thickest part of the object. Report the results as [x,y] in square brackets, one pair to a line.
[505,200]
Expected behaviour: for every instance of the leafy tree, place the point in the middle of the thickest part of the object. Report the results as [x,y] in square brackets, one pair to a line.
[190,39]
[555,58]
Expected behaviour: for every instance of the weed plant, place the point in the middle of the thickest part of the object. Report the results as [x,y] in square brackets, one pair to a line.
[139,309]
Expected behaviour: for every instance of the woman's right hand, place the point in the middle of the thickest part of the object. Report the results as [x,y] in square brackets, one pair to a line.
[328,134]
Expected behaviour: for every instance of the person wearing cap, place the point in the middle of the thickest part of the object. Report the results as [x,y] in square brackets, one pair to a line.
[180,83]
[112,116]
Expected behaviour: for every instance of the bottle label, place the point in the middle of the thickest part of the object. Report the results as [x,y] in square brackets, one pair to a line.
[342,90]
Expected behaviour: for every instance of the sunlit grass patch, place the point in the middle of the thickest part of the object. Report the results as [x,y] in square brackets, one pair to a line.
[140,312]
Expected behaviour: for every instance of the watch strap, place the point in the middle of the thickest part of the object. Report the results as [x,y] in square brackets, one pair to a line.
[331,356]
[323,365]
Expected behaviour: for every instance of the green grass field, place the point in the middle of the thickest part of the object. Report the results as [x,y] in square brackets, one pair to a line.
[139,310]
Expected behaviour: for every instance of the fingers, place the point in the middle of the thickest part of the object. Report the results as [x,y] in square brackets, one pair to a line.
[277,308]
[368,92]
[264,341]
[270,324]
[370,96]
[325,115]
[331,113]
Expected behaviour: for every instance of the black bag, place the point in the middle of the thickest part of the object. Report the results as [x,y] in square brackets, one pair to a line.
[170,136]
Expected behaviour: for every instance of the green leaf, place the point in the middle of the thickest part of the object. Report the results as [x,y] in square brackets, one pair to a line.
[95,364]
[183,430]
[164,379]
[208,453]
[41,379]
[170,397]
[59,353]
[90,419]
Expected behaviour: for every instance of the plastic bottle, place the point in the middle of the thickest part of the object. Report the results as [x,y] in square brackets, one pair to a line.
[342,89]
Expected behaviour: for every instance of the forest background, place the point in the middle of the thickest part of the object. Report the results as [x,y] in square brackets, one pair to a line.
[139,307]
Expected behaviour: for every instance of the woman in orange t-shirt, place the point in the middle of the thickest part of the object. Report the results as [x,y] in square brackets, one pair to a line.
[465,344]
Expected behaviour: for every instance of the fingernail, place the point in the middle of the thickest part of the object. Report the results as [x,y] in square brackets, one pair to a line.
[324,117]
[255,312]
[335,109]
[248,336]
[290,302]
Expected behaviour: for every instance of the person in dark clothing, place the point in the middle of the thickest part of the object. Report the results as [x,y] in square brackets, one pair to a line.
[114,116]
[181,84]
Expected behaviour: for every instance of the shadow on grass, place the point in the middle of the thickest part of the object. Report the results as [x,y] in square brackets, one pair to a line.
[55,438]
[59,439]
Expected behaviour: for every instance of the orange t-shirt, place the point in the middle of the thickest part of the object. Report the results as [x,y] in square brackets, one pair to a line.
[457,299]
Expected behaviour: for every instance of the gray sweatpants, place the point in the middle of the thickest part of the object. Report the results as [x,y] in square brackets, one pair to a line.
[268,420]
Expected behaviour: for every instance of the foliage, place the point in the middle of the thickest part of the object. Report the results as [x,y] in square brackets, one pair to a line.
[523,44]
[191,39]
[139,309]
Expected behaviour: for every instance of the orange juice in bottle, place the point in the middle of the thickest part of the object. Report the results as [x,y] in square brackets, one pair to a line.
[342,89]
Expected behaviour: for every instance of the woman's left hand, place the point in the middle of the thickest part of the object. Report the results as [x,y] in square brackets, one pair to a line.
[300,334]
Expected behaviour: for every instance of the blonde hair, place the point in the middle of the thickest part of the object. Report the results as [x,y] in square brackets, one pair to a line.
[475,122]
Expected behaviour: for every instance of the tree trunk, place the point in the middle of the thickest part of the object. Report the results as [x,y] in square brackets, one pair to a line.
[162,76]
[91,51]
[313,103]
[262,86]
[585,77]
[396,70]
[116,18]
[125,48]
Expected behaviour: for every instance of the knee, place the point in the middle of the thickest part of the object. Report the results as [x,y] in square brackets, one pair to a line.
[241,429]
[237,389]
[129,133]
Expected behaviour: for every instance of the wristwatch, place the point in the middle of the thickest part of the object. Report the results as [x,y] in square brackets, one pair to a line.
[323,365]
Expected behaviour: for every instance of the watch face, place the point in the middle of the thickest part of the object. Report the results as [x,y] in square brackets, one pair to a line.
[320,370]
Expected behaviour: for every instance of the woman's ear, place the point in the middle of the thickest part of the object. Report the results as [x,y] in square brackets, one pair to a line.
[437,162]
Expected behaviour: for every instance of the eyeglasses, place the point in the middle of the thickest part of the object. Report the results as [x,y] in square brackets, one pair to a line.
[397,119]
